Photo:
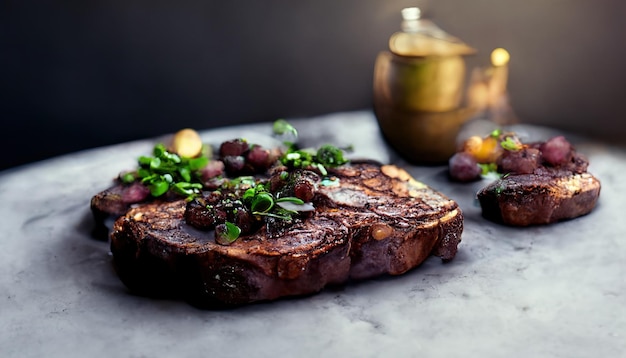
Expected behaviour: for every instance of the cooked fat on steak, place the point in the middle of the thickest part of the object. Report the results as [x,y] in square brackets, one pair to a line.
[374,220]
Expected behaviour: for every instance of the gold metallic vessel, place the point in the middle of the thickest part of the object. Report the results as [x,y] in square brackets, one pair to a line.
[418,90]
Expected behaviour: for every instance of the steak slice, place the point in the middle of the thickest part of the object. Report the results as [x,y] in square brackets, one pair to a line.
[539,198]
[373,221]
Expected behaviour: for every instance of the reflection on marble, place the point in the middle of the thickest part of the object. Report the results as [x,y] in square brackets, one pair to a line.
[547,291]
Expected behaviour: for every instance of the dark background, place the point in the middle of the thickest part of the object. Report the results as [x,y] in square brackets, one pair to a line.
[82,74]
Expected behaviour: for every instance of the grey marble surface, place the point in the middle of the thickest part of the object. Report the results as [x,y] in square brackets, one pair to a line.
[547,291]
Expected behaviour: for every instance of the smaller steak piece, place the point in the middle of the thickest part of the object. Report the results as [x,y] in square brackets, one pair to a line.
[532,199]
[543,183]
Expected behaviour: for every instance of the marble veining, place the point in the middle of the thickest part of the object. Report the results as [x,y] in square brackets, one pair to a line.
[545,291]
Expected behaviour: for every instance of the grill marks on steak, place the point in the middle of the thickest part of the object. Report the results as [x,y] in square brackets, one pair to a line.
[412,211]
[370,224]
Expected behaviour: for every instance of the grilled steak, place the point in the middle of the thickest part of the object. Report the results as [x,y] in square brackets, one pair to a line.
[530,199]
[536,191]
[373,221]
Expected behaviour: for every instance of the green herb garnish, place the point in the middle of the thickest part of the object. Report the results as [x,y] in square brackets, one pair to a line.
[489,171]
[510,144]
[227,233]
[128,178]
[488,168]
[256,196]
[327,156]
[165,170]
[330,156]
[290,199]
[241,182]
[281,127]
[262,202]
[273,215]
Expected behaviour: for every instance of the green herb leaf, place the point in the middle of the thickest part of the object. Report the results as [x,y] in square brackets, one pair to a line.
[291,199]
[510,144]
[227,233]
[262,202]
[322,169]
[155,163]
[128,178]
[185,173]
[489,171]
[184,188]
[143,173]
[496,133]
[198,163]
[158,188]
[158,150]
[281,127]
[143,160]
[488,168]
[248,195]
[277,216]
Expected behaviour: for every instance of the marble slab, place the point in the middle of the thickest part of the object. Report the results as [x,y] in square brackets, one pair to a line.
[545,291]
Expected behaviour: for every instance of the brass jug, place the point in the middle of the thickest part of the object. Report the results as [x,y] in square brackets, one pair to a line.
[418,90]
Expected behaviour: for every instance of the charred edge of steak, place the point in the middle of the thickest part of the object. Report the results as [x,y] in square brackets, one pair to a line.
[532,199]
[159,259]
[157,254]
[114,202]
[104,205]
[406,247]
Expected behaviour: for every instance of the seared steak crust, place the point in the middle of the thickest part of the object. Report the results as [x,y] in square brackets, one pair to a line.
[543,197]
[376,221]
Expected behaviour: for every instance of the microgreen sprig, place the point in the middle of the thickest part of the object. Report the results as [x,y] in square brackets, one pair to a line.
[282,127]
[496,133]
[326,156]
[166,170]
[511,144]
[227,233]
[263,203]
[490,171]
